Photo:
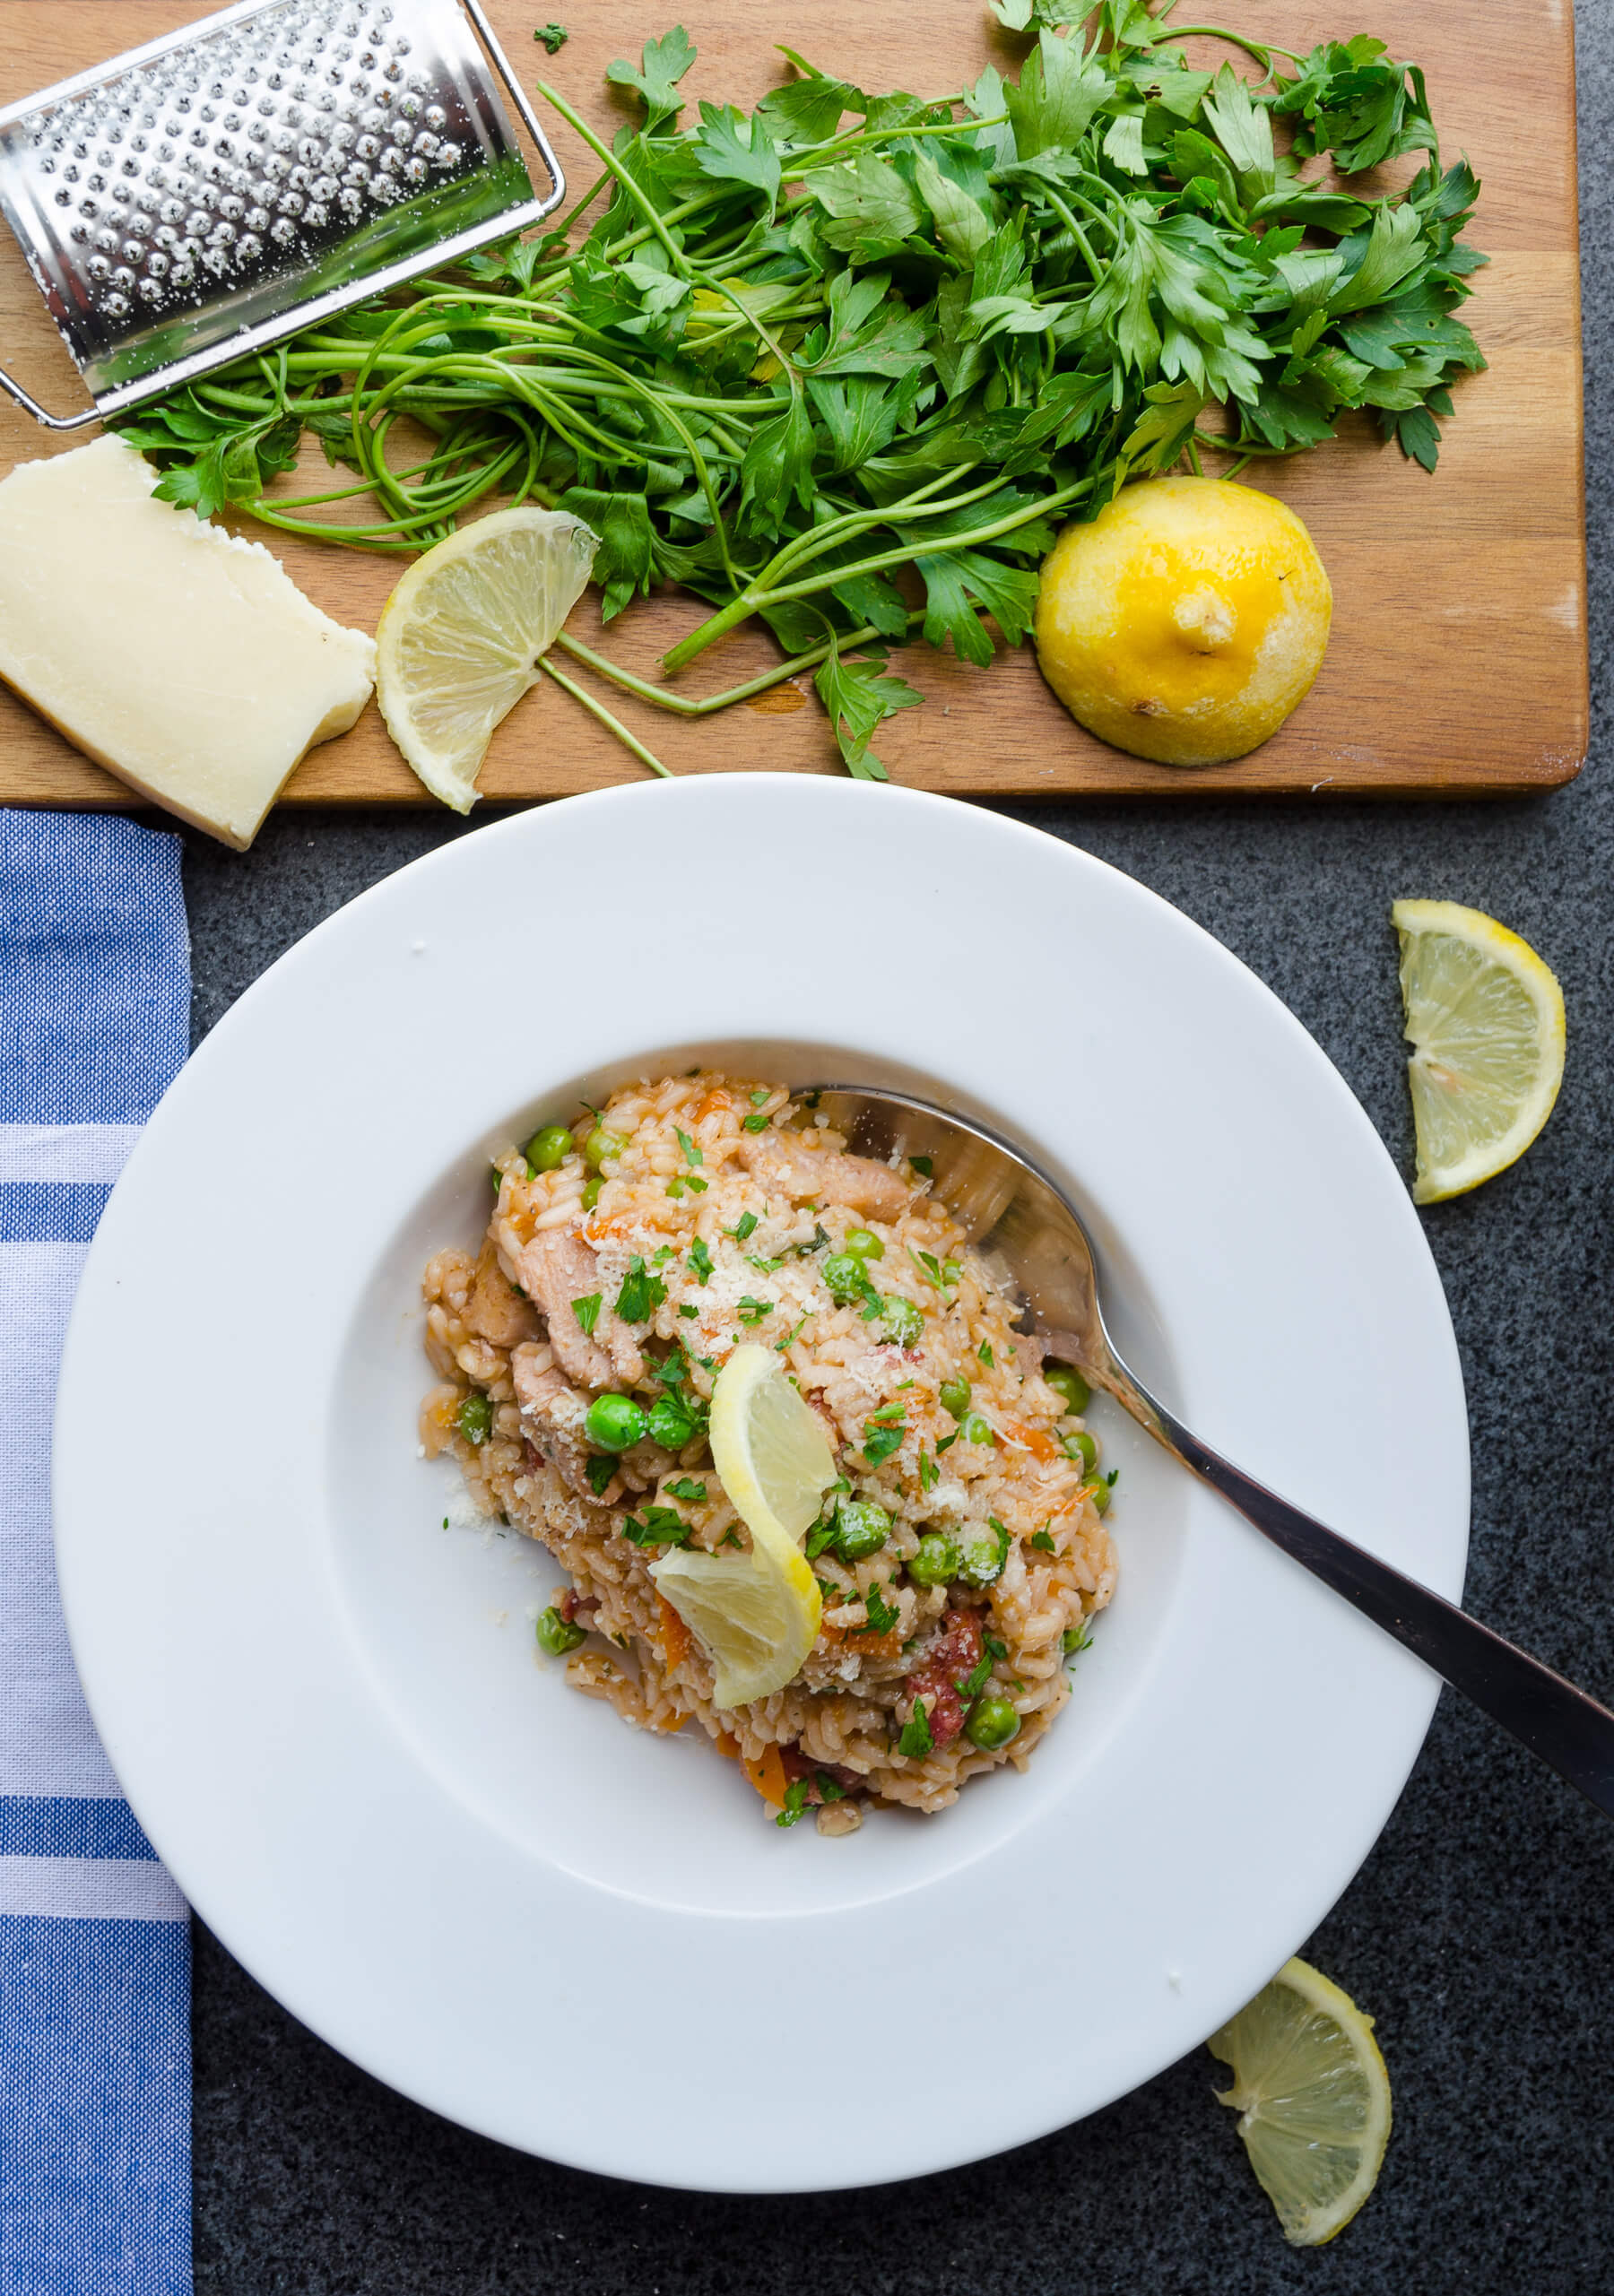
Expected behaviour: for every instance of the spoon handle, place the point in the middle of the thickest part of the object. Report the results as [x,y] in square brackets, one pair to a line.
[1553,1719]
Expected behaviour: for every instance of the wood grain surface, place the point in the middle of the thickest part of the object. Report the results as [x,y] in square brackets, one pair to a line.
[1457,664]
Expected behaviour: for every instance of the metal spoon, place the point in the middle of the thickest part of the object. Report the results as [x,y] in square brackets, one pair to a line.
[1021,1220]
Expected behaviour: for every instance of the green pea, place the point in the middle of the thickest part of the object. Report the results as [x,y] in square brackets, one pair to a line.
[844,1276]
[862,1243]
[976,1430]
[590,1192]
[982,1557]
[1066,1380]
[616,1422]
[936,1562]
[547,1147]
[601,1144]
[1082,1447]
[992,1724]
[557,1635]
[955,1397]
[475,1420]
[1102,1495]
[862,1530]
[901,1321]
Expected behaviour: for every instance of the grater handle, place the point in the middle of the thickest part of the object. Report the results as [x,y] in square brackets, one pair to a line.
[14,389]
[529,117]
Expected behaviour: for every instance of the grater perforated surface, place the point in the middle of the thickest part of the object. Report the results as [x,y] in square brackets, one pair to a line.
[198,197]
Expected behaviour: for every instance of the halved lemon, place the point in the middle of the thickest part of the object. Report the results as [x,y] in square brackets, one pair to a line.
[756,1613]
[1313,2099]
[1485,1017]
[458,642]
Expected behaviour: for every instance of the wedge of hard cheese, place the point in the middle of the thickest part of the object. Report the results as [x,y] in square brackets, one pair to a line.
[186,661]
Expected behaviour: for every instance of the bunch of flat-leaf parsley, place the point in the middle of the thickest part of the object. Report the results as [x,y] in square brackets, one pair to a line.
[844,360]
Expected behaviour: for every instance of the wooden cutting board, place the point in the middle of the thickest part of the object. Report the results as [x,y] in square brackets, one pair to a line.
[1458,660]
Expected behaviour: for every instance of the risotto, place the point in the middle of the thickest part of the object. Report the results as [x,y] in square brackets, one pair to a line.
[961,1550]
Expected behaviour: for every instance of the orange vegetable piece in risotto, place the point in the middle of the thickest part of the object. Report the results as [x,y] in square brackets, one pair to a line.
[576,1342]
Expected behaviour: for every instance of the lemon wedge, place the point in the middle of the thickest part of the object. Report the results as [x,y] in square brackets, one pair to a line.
[756,1613]
[1485,1017]
[458,642]
[1313,2099]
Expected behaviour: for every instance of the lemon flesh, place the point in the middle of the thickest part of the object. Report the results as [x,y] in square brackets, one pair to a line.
[757,1614]
[1313,2099]
[1485,1017]
[458,642]
[1185,621]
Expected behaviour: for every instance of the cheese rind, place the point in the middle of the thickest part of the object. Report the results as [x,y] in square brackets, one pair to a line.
[183,659]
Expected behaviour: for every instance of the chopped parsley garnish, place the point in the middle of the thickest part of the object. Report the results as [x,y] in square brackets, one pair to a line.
[942,1273]
[782,1346]
[660,1527]
[659,1258]
[588,1312]
[976,1680]
[686,1488]
[746,1225]
[761,1097]
[997,1649]
[883,1432]
[881,1616]
[756,1123]
[915,1740]
[599,1467]
[821,1237]
[985,1352]
[1041,1541]
[696,1187]
[831,1593]
[752,1311]
[497,1177]
[553,36]
[828,1791]
[729,1538]
[947,1443]
[641,1294]
[924,1164]
[795,1802]
[692,1313]
[930,1474]
[701,1259]
[692,1153]
[764,1267]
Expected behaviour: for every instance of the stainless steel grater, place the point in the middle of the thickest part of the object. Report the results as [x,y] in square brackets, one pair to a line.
[206,195]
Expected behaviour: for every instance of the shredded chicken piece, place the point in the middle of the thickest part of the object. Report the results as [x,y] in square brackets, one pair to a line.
[551,1420]
[781,1161]
[556,1269]
[495,1310]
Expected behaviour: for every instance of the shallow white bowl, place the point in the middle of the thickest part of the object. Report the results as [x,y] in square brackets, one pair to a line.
[328,1711]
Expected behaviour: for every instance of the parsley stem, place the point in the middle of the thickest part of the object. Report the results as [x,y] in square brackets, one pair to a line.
[641,200]
[611,725]
[683,707]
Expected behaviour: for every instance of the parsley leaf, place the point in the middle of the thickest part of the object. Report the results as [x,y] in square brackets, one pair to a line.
[588,1312]
[663,62]
[657,1527]
[879,1615]
[641,1294]
[914,1737]
[745,1226]
[685,1487]
[599,1467]
[701,1259]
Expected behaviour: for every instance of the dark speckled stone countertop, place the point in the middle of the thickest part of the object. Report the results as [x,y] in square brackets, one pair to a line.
[1480,1931]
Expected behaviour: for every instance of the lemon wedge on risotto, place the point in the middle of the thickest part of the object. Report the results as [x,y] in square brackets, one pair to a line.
[757,1614]
[459,641]
[1485,1018]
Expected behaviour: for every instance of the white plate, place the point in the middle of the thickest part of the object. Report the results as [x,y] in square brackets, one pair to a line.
[329,1712]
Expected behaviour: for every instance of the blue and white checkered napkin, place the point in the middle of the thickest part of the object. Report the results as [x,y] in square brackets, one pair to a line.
[94,1946]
